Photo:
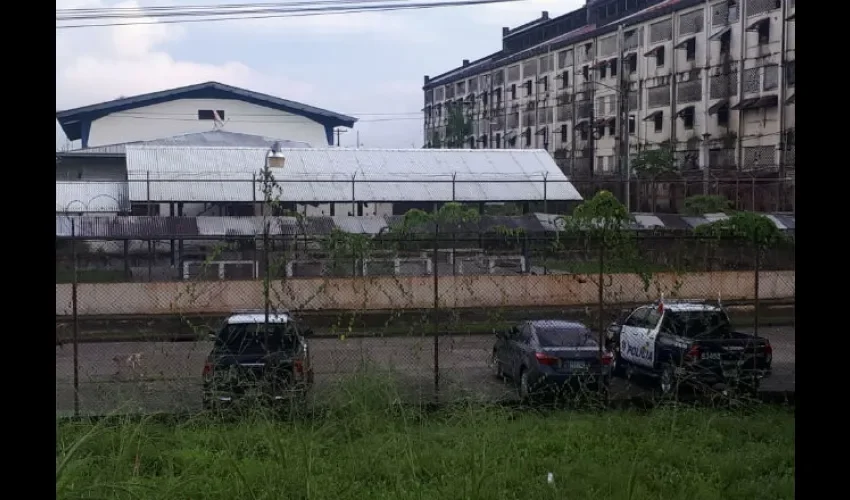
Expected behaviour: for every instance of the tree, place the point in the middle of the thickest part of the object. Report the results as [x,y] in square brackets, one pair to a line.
[458,127]
[706,204]
[754,228]
[653,163]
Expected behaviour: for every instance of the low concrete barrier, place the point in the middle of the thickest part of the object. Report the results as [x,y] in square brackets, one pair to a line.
[413,292]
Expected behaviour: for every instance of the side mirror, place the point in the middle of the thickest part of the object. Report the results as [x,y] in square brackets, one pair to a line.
[613,329]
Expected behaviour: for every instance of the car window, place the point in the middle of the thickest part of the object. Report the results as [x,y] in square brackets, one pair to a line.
[258,337]
[693,324]
[653,316]
[524,334]
[638,317]
[565,336]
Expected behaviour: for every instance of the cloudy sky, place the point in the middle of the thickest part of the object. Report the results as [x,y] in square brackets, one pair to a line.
[367,65]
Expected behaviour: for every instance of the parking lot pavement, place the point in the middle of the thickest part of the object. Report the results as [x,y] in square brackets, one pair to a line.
[163,376]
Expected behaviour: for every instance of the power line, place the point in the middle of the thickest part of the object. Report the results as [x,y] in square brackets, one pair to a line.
[217,14]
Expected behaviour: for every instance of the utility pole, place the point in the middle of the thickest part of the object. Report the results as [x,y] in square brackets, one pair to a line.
[339,132]
[623,117]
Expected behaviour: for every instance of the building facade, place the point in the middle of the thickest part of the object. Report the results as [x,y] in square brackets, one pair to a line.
[713,80]
[200,108]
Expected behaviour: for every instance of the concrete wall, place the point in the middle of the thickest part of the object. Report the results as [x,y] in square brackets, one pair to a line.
[412,292]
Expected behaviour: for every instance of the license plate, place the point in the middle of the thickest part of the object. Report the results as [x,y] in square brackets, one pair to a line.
[576,365]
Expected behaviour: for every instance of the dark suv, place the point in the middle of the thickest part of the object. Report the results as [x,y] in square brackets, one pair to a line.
[257,356]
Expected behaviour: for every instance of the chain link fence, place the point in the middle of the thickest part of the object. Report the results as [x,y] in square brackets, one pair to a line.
[415,303]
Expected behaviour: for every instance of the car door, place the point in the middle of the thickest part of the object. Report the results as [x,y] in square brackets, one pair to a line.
[503,348]
[633,336]
[652,325]
[519,346]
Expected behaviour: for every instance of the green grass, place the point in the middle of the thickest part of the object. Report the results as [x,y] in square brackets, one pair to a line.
[368,446]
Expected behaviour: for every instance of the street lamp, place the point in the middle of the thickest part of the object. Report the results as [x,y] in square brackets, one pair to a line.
[275,158]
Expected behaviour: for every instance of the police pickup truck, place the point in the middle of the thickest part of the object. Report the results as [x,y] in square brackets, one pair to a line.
[688,342]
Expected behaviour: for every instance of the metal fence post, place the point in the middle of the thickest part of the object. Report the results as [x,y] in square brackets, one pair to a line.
[601,298]
[74,313]
[436,313]
[756,290]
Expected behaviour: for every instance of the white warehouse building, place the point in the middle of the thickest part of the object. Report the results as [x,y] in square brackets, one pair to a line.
[199,108]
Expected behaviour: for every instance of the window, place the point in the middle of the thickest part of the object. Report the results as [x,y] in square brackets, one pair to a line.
[652,318]
[257,338]
[693,324]
[726,43]
[612,127]
[613,63]
[659,57]
[527,135]
[565,79]
[498,141]
[633,63]
[561,336]
[723,116]
[632,124]
[658,120]
[471,142]
[498,93]
[602,69]
[564,133]
[484,141]
[209,114]
[545,82]
[790,73]
[484,98]
[144,209]
[691,49]
[764,32]
[638,318]
[528,88]
[585,72]
[513,91]
[688,118]
[583,133]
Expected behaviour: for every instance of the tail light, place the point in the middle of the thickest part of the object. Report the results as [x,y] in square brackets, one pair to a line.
[208,369]
[607,358]
[693,354]
[298,366]
[545,359]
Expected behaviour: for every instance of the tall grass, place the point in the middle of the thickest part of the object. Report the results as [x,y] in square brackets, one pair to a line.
[368,445]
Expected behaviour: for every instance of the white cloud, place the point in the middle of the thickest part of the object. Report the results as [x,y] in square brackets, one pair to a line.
[100,64]
[512,14]
[387,25]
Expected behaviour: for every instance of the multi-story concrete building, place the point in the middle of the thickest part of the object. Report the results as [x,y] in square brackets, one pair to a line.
[713,79]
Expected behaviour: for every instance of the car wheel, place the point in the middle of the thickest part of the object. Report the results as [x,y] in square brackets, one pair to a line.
[496,367]
[617,368]
[667,380]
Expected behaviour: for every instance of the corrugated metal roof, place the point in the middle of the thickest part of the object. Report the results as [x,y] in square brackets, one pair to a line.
[224,226]
[76,196]
[550,222]
[648,221]
[323,175]
[212,138]
[127,227]
[788,220]
[360,225]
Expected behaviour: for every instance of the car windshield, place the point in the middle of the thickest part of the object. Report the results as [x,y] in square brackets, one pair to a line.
[258,337]
[565,336]
[694,324]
